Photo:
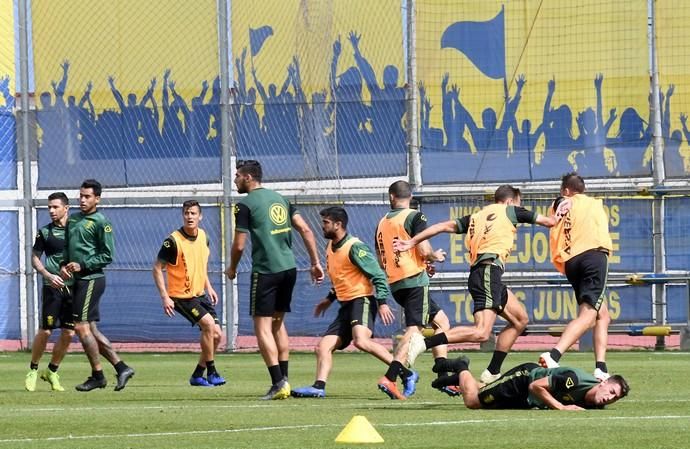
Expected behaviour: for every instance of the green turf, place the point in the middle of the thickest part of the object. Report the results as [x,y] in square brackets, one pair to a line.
[159,410]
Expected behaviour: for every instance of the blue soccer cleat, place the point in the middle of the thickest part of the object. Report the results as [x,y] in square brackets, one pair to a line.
[451,390]
[410,384]
[308,392]
[199,382]
[215,379]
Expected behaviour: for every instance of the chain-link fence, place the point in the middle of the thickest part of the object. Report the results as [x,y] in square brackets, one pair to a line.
[338,99]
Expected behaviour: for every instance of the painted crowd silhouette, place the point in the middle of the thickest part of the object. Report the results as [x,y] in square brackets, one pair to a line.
[331,131]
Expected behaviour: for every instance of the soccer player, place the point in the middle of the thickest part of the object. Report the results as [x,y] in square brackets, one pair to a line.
[489,241]
[530,386]
[580,248]
[184,255]
[89,247]
[56,299]
[409,283]
[360,287]
[269,218]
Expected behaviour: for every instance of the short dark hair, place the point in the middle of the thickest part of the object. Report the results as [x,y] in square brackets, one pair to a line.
[573,181]
[400,189]
[94,185]
[336,214]
[618,379]
[190,203]
[250,167]
[506,192]
[59,196]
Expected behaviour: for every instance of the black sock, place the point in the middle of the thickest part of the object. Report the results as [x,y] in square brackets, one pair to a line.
[283,367]
[120,366]
[404,372]
[439,360]
[436,340]
[198,371]
[393,370]
[496,362]
[602,366]
[53,368]
[33,366]
[555,355]
[210,367]
[319,385]
[98,375]
[276,374]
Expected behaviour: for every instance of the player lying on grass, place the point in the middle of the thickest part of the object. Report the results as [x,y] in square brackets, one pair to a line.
[529,386]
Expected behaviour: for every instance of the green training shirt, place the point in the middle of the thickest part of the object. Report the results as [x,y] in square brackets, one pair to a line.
[362,257]
[567,385]
[50,240]
[89,242]
[267,217]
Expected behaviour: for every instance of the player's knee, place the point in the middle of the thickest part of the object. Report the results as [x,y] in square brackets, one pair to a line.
[361,343]
[441,321]
[45,332]
[521,323]
[68,333]
[482,336]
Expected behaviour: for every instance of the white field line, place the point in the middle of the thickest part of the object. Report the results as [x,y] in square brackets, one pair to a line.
[312,426]
[314,403]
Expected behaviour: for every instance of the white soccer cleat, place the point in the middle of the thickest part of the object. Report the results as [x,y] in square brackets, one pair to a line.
[545,361]
[601,375]
[487,377]
[415,347]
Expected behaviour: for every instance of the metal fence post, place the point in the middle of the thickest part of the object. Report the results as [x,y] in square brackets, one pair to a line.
[29,330]
[228,152]
[659,176]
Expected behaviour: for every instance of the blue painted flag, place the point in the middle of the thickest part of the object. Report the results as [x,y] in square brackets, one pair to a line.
[482,42]
[258,36]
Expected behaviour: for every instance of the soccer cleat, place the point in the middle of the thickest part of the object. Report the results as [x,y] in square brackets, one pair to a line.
[91,384]
[53,379]
[390,388]
[123,377]
[487,377]
[281,390]
[415,347]
[215,379]
[199,382]
[410,384]
[601,375]
[30,381]
[545,361]
[451,390]
[308,392]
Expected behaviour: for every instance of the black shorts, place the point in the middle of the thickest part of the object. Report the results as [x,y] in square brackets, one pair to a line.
[486,287]
[510,391]
[359,311]
[419,308]
[56,308]
[587,273]
[194,309]
[271,292]
[86,296]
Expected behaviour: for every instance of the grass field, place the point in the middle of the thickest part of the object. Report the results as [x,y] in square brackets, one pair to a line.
[159,410]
